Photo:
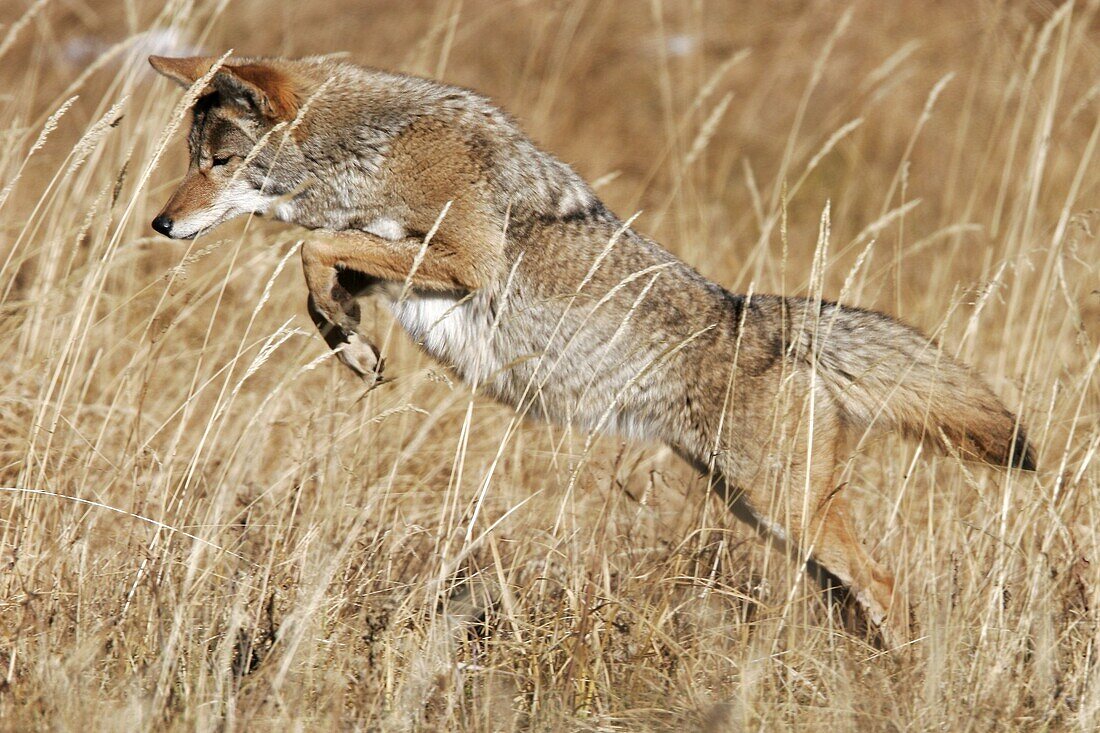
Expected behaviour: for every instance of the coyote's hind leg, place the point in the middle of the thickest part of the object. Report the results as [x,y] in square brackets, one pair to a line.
[832,544]
[838,551]
[833,548]
[796,500]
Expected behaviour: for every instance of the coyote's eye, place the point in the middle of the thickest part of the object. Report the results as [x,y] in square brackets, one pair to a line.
[221,160]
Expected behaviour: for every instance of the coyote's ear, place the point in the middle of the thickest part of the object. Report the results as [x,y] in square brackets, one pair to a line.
[183,71]
[258,85]
[268,90]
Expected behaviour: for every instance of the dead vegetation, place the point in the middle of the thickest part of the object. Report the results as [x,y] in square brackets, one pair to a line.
[207,525]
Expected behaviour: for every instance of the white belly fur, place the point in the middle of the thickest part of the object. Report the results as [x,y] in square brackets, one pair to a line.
[452,329]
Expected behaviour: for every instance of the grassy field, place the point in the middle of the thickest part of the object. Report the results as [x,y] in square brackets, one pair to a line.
[206,524]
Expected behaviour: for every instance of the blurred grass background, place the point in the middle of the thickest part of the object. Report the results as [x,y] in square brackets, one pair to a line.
[217,530]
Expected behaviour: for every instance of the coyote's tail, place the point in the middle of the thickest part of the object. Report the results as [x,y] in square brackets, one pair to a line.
[886,375]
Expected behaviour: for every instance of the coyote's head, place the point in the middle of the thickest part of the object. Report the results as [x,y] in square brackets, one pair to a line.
[241,161]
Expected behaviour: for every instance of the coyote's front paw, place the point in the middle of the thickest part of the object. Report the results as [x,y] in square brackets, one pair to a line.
[363,358]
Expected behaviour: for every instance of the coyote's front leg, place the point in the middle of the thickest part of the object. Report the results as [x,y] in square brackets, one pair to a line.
[437,265]
[336,314]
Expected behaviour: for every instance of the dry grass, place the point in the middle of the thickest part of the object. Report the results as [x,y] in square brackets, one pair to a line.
[218,532]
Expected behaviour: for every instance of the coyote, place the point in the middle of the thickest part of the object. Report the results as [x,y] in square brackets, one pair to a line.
[501,262]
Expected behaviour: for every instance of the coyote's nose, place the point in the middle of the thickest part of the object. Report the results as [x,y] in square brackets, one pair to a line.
[163,224]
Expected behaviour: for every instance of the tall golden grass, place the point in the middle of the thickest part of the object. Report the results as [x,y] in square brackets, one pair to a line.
[207,525]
